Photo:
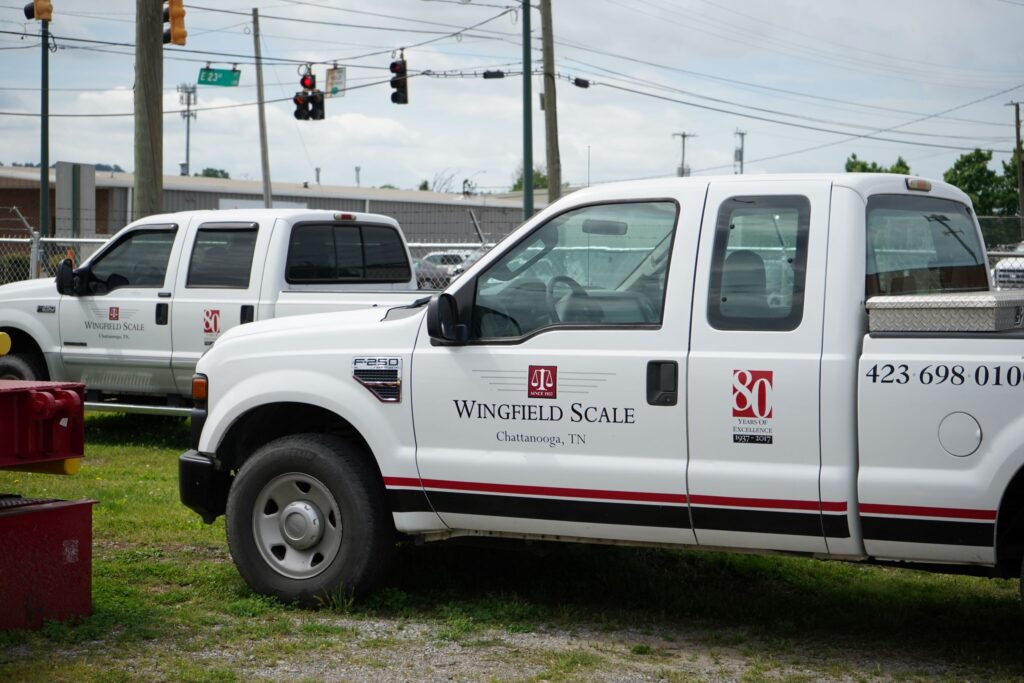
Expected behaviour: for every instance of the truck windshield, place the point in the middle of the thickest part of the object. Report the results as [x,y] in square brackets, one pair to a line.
[922,245]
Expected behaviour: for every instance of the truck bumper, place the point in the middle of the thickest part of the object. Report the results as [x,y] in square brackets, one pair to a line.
[201,486]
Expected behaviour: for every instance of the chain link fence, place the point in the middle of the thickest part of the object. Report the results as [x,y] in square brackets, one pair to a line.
[26,258]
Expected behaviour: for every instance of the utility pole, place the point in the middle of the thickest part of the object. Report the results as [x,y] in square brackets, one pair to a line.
[268,197]
[187,97]
[739,150]
[683,171]
[149,128]
[527,120]
[550,104]
[1017,153]
[44,138]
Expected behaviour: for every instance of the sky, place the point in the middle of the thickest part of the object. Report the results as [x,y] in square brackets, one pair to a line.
[810,82]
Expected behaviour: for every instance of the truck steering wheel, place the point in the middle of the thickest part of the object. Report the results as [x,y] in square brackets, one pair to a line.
[549,293]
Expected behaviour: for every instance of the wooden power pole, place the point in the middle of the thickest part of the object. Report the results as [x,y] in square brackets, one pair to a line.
[1020,171]
[554,159]
[149,128]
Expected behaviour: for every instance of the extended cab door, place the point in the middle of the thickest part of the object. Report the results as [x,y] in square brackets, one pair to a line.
[563,414]
[218,288]
[116,336]
[755,367]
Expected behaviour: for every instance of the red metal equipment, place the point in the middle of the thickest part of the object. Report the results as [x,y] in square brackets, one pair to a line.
[45,545]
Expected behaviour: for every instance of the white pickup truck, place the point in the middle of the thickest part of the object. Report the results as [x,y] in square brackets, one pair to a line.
[131,322]
[679,362]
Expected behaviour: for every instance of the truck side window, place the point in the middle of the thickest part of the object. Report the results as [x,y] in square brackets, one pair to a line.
[759,262]
[137,260]
[331,254]
[600,265]
[222,258]
[922,245]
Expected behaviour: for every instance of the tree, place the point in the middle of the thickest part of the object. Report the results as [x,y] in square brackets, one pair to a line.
[442,182]
[972,175]
[1009,200]
[855,165]
[540,179]
[387,186]
[213,173]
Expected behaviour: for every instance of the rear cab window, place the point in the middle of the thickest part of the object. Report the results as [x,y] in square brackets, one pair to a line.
[329,253]
[222,256]
[922,245]
[759,263]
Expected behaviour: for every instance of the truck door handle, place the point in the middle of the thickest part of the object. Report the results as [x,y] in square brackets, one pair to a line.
[247,315]
[662,382]
[161,314]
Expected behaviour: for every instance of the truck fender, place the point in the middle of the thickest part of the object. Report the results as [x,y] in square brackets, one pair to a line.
[20,325]
[392,447]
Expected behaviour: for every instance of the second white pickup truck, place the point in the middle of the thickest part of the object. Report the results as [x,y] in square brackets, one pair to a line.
[806,364]
[131,322]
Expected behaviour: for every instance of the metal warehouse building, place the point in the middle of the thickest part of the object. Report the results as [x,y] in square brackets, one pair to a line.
[103,206]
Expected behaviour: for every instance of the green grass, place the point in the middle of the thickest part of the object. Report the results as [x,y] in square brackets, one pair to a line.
[169,605]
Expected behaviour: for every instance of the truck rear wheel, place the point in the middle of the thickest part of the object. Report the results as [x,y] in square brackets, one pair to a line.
[306,520]
[19,366]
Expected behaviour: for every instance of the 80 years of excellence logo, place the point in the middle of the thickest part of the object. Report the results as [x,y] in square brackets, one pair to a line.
[752,393]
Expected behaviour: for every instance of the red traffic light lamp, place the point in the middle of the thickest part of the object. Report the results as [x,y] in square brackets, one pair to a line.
[308,81]
[40,10]
[400,81]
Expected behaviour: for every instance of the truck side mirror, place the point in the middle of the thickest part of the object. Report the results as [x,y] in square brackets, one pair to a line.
[65,277]
[443,320]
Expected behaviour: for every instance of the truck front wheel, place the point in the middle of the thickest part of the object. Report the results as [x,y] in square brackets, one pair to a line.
[306,520]
[19,366]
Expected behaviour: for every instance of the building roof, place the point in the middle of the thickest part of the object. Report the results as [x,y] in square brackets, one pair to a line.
[27,177]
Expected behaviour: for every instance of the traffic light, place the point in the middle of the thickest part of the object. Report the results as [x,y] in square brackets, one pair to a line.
[316,105]
[301,101]
[41,10]
[174,17]
[399,82]
[308,81]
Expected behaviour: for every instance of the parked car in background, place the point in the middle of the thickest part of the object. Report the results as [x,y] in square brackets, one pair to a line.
[428,275]
[453,262]
[1008,273]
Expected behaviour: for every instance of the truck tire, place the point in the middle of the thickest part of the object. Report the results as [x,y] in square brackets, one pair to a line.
[19,366]
[306,520]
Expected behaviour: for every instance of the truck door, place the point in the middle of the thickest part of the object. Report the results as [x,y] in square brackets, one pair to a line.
[117,336]
[563,414]
[754,369]
[218,288]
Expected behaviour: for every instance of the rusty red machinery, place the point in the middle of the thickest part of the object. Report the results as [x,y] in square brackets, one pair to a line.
[45,544]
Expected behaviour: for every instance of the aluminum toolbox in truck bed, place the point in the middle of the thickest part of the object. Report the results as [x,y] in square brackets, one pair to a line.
[963,312]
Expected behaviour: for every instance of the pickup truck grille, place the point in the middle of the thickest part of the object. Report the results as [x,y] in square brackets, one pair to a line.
[386,385]
[1007,278]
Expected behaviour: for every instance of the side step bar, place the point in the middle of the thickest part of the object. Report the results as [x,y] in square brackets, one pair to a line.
[136,408]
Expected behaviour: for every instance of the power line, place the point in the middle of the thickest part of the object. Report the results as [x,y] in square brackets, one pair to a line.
[661,65]
[819,129]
